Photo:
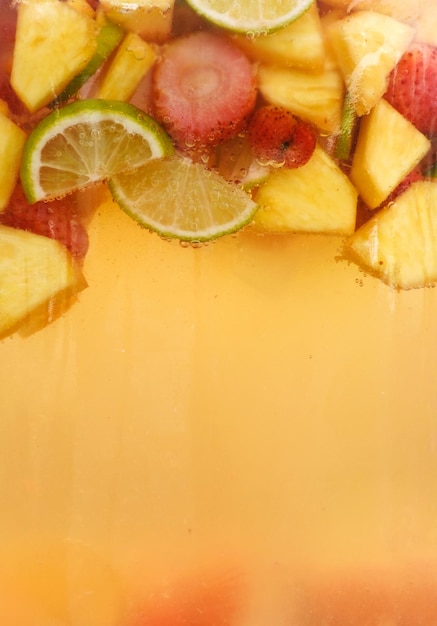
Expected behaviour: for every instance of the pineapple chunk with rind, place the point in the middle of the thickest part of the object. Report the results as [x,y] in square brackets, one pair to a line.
[399,244]
[12,139]
[300,44]
[151,19]
[130,64]
[54,42]
[367,46]
[315,198]
[36,273]
[315,97]
[388,148]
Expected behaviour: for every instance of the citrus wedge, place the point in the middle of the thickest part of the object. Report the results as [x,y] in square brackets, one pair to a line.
[85,142]
[251,16]
[178,198]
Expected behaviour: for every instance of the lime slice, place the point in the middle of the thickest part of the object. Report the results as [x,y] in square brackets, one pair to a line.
[251,16]
[85,142]
[177,198]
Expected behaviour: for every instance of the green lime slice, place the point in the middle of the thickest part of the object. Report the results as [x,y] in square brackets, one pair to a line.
[251,16]
[108,39]
[346,137]
[178,198]
[85,142]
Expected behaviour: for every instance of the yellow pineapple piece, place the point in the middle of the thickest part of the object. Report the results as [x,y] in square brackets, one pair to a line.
[399,244]
[403,10]
[36,274]
[82,5]
[315,198]
[298,45]
[367,46]
[151,19]
[388,148]
[316,97]
[130,64]
[54,42]
[12,139]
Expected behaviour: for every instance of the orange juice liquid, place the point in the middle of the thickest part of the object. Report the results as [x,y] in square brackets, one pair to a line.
[252,421]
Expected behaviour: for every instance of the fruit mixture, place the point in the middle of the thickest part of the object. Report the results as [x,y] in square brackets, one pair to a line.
[204,117]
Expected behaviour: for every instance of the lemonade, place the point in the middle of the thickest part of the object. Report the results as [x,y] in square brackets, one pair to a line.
[238,434]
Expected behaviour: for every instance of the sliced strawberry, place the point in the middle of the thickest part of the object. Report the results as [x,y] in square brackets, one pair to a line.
[412,88]
[58,220]
[203,89]
[277,136]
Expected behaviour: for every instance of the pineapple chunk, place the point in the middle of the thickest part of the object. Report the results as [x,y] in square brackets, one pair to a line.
[54,42]
[36,274]
[367,46]
[82,6]
[314,97]
[388,148]
[402,10]
[426,26]
[298,45]
[151,19]
[315,198]
[130,64]
[12,139]
[399,244]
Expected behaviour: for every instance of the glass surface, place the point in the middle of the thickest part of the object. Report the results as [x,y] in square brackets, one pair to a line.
[239,434]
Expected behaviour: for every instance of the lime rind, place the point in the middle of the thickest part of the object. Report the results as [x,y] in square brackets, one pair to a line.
[179,199]
[85,142]
[251,17]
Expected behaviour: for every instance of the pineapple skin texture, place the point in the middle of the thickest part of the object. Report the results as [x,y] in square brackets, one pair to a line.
[315,198]
[45,58]
[37,274]
[399,244]
[388,148]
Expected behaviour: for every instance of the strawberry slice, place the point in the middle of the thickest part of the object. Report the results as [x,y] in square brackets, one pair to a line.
[276,136]
[58,220]
[203,90]
[412,88]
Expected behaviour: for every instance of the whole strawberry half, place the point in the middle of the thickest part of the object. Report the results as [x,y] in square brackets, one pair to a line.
[412,88]
[276,136]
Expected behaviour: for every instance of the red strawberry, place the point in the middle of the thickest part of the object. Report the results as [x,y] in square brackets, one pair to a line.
[275,135]
[203,89]
[58,220]
[412,88]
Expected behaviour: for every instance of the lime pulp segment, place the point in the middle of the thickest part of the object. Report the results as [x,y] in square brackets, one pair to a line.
[178,198]
[251,16]
[85,142]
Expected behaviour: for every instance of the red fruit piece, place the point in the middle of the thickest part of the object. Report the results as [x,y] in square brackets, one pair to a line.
[58,220]
[276,136]
[412,88]
[203,89]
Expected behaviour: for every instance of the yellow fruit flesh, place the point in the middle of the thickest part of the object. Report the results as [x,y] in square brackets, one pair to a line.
[388,148]
[46,59]
[399,244]
[315,97]
[367,46]
[36,274]
[316,197]
[12,139]
[298,45]
[130,64]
